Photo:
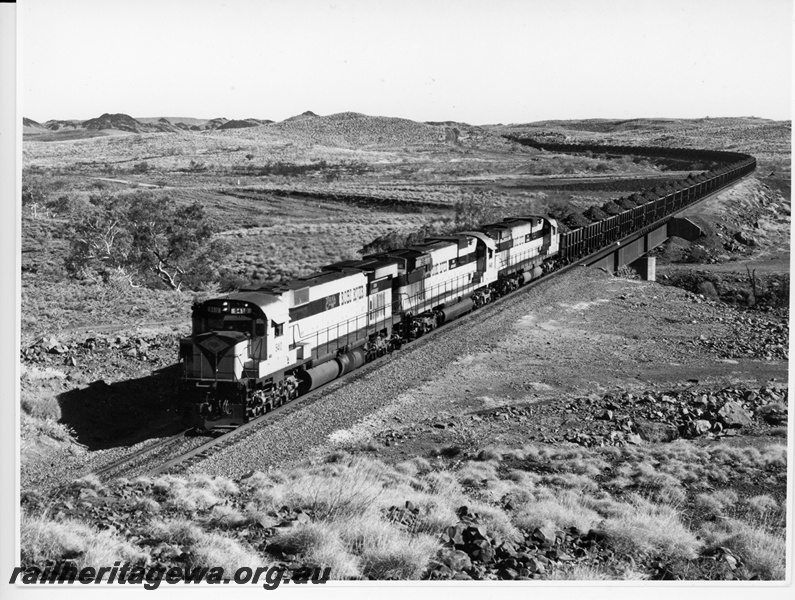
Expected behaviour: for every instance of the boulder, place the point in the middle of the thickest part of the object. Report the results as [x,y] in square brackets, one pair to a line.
[543,534]
[744,238]
[52,345]
[652,431]
[456,560]
[702,426]
[732,414]
[480,550]
[454,535]
[634,439]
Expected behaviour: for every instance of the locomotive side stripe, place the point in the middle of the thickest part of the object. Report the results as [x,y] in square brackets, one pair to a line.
[315,307]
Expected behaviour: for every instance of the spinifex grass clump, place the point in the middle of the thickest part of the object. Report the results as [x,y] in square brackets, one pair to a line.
[538,506]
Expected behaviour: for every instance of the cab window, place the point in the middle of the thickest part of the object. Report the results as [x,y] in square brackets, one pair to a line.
[278,328]
[237,324]
[259,328]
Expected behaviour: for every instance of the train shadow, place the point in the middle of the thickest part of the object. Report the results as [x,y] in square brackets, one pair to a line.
[124,413]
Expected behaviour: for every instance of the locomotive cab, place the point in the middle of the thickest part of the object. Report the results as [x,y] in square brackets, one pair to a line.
[235,339]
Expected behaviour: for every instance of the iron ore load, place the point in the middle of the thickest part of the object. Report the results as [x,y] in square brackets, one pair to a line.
[256,349]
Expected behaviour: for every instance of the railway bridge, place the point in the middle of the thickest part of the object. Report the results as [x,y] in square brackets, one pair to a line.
[632,249]
[648,225]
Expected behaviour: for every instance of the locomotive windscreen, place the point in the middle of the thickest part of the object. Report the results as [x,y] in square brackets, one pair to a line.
[225,315]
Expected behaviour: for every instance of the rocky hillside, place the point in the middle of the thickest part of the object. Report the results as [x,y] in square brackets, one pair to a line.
[355,130]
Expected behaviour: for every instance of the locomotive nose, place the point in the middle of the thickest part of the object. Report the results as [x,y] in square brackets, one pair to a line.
[215,345]
[215,355]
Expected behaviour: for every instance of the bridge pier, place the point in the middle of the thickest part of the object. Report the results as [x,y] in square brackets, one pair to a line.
[646,266]
[684,228]
[634,250]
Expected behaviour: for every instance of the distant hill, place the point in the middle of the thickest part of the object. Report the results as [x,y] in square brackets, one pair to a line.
[30,126]
[344,130]
[120,123]
[58,125]
[237,124]
[187,121]
[304,115]
[356,130]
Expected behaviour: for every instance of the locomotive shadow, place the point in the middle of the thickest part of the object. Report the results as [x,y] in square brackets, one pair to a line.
[124,413]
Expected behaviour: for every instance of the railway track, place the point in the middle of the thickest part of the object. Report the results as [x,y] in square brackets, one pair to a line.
[127,463]
[234,436]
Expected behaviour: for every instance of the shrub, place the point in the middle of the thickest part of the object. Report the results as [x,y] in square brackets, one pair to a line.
[477,473]
[43,539]
[320,543]
[564,509]
[387,552]
[762,503]
[90,481]
[176,531]
[185,495]
[40,406]
[716,503]
[216,550]
[707,288]
[763,554]
[645,528]
[498,523]
[196,167]
[627,272]
[226,516]
[329,491]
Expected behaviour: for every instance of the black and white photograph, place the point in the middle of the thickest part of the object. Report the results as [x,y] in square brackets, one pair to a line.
[428,297]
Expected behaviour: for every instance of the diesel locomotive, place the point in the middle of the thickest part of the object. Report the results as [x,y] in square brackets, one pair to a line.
[258,348]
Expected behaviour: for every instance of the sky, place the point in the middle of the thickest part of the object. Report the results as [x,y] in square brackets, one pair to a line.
[477,61]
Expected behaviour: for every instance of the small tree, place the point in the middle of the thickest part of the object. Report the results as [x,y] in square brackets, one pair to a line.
[33,194]
[196,167]
[149,240]
[473,211]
